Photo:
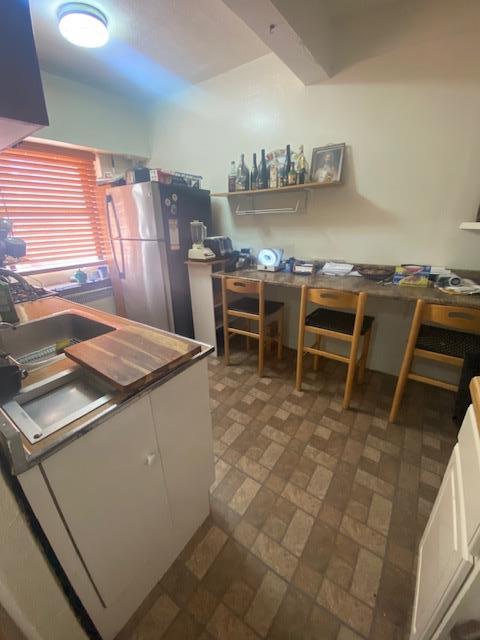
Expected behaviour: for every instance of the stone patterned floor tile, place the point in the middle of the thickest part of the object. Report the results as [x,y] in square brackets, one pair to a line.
[316,512]
[266,603]
[345,607]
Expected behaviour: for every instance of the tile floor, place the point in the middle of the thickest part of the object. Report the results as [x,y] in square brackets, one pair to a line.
[316,512]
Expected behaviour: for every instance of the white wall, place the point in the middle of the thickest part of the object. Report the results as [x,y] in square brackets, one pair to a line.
[413,162]
[89,117]
[410,119]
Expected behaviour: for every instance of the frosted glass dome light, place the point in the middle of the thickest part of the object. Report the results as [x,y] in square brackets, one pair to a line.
[83,25]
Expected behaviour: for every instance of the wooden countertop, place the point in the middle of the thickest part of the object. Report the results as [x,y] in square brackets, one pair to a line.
[357,284]
[135,349]
[129,357]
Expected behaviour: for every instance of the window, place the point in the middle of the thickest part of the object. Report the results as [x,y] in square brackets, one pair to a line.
[49,193]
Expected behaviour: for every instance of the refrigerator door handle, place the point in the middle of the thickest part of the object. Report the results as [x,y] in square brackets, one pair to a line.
[110,206]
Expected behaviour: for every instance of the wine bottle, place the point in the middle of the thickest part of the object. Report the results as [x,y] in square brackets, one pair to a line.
[292,174]
[286,167]
[243,175]
[302,167]
[232,176]
[262,173]
[254,174]
[273,171]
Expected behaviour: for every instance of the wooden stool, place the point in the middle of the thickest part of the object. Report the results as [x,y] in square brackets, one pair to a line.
[432,342]
[339,325]
[252,309]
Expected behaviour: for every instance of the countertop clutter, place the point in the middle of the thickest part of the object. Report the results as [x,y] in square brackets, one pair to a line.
[129,356]
[358,284]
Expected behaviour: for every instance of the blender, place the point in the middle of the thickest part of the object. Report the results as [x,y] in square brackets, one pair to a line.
[198,252]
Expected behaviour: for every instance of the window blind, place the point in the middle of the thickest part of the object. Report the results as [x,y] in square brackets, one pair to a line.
[49,193]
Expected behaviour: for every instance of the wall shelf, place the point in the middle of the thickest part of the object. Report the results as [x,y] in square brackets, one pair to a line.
[294,187]
[471,226]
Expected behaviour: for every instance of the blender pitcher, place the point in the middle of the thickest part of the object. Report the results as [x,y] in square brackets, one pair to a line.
[198,232]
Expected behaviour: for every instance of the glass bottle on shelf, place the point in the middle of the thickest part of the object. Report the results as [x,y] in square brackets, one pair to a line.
[302,167]
[286,167]
[292,175]
[232,177]
[273,168]
[243,176]
[254,174]
[262,172]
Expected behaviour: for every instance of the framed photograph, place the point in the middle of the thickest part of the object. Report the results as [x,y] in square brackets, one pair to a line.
[327,163]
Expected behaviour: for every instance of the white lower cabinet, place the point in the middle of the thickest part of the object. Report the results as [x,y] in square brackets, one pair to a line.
[181,412]
[119,503]
[448,562]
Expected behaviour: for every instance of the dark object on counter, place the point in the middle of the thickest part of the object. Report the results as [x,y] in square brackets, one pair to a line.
[447,281]
[220,245]
[470,369]
[10,379]
[20,289]
[245,259]
[304,267]
[375,273]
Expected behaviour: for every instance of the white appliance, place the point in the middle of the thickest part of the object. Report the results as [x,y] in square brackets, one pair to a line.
[198,251]
[269,259]
[149,230]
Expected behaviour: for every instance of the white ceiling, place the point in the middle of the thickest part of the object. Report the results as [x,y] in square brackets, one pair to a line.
[343,10]
[159,46]
[155,46]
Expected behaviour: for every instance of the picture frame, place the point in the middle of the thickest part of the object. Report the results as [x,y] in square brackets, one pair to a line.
[327,163]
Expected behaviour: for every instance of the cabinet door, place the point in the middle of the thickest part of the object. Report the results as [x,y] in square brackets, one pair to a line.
[109,489]
[184,430]
[469,445]
[444,561]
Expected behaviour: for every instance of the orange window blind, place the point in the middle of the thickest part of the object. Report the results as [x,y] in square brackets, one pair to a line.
[49,193]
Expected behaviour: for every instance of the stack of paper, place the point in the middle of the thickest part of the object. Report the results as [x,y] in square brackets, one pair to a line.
[336,268]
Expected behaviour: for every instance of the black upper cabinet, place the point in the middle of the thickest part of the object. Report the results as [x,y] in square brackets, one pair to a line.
[22,103]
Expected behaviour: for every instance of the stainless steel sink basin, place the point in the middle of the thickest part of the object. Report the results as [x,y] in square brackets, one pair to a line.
[36,343]
[45,407]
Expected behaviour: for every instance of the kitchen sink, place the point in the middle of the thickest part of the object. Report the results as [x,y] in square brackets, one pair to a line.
[38,342]
[44,407]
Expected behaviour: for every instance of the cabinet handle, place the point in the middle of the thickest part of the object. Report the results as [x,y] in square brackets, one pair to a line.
[150,459]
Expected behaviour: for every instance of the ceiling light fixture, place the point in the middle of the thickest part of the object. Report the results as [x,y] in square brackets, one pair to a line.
[83,25]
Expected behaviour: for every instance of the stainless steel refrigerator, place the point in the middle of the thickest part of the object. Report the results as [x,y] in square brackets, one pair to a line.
[149,230]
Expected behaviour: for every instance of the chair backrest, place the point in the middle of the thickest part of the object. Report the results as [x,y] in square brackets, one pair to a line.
[242,285]
[333,298]
[459,318]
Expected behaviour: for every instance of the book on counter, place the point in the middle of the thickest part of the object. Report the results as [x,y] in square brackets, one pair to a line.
[412,275]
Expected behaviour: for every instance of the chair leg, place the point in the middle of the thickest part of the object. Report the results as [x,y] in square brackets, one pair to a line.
[248,337]
[261,329]
[352,364]
[316,359]
[226,336]
[301,338]
[280,336]
[363,358]
[407,361]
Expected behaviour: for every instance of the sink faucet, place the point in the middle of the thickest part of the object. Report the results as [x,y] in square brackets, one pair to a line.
[7,325]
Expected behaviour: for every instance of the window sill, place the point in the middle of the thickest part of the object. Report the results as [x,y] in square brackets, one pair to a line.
[36,269]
